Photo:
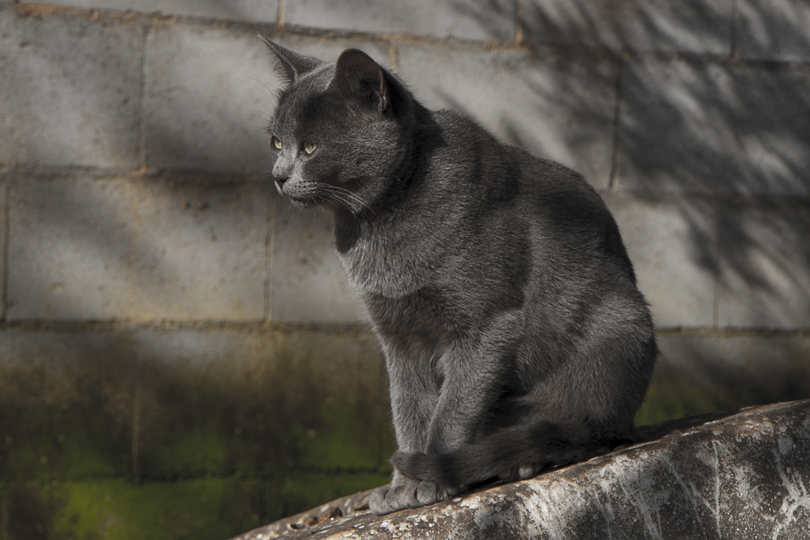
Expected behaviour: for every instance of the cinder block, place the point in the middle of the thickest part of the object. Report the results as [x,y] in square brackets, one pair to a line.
[143,249]
[773,30]
[307,280]
[673,249]
[264,11]
[735,371]
[66,404]
[461,19]
[259,402]
[557,108]
[209,92]
[4,186]
[714,129]
[694,26]
[69,90]
[765,267]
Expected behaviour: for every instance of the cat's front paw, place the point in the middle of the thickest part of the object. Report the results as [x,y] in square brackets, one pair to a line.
[410,494]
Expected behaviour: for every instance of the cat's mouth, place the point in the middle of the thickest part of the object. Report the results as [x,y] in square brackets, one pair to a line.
[304,201]
[299,199]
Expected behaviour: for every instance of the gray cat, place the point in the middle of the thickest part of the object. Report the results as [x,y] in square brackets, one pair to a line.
[515,337]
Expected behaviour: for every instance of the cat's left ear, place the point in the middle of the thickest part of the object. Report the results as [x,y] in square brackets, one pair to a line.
[290,65]
[358,75]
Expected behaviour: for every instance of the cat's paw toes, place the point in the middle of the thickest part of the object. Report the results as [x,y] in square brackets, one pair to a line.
[387,499]
[429,493]
[521,473]
[526,471]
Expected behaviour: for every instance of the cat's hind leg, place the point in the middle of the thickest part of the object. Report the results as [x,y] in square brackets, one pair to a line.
[521,473]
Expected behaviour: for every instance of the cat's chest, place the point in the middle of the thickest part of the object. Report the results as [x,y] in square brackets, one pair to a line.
[380,267]
[413,247]
[396,259]
[429,318]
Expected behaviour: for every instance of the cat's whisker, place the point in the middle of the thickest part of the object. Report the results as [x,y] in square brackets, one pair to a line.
[347,202]
[270,94]
[345,197]
[330,196]
[265,120]
[356,198]
[342,195]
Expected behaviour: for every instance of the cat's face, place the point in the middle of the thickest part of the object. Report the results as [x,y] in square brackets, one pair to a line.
[335,139]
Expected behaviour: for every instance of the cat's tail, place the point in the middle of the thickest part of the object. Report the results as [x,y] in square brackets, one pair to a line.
[505,452]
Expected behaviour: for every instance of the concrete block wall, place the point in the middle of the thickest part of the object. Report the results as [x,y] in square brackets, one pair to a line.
[173,330]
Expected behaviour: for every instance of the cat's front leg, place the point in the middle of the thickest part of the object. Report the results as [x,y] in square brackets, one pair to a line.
[414,394]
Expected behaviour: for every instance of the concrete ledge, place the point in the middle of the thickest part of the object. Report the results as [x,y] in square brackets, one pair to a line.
[744,475]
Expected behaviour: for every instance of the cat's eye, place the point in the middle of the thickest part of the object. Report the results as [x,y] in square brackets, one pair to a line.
[309,147]
[276,142]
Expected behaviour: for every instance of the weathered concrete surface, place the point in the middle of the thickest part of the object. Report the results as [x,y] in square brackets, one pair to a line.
[264,11]
[696,26]
[673,249]
[307,281]
[773,29]
[561,108]
[693,127]
[207,92]
[69,90]
[186,247]
[460,19]
[742,476]
[758,244]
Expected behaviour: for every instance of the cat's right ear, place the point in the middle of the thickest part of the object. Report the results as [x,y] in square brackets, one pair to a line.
[290,65]
[357,74]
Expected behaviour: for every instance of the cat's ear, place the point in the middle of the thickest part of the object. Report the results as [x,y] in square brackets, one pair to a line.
[358,75]
[290,65]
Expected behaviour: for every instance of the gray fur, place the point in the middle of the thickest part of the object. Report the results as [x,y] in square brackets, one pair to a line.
[514,334]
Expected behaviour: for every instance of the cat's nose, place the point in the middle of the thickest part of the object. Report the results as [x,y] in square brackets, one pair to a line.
[281,171]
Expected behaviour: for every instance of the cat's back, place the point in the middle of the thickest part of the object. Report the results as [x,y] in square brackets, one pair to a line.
[486,161]
[539,189]
[473,164]
[559,212]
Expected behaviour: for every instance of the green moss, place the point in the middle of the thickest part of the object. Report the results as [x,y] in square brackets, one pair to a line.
[200,509]
[299,492]
[672,396]
[62,454]
[196,451]
[117,509]
[296,410]
[60,423]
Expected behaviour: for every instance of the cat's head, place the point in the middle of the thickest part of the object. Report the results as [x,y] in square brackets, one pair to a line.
[340,131]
